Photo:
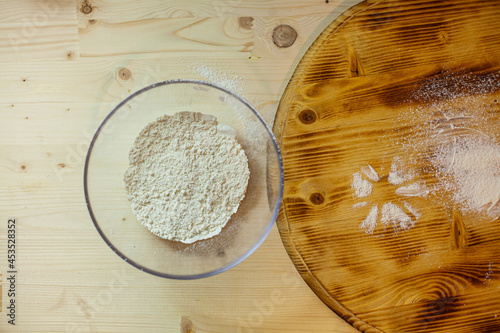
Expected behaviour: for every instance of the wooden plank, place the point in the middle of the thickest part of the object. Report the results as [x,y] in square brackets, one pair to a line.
[99,81]
[55,91]
[105,37]
[44,30]
[82,295]
[127,10]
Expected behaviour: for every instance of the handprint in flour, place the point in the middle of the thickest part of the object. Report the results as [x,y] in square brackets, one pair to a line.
[390,213]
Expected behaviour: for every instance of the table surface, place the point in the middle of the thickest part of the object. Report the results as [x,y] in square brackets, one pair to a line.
[63,66]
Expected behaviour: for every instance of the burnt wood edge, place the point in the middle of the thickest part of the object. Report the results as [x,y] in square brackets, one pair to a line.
[313,283]
[278,129]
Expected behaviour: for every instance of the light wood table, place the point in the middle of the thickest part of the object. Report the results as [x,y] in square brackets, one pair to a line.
[64,65]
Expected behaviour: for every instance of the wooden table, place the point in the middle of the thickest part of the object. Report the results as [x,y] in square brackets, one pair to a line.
[64,65]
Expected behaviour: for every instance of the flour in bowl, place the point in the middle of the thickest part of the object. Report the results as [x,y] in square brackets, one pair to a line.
[187,176]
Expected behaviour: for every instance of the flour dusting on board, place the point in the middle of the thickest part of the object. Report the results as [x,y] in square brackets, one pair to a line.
[391,214]
[370,172]
[456,130]
[398,175]
[417,189]
[469,167]
[362,187]
[360,204]
[370,222]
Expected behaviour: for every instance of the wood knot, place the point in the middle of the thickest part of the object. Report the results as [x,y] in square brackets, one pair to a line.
[307,116]
[61,165]
[317,198]
[23,167]
[92,22]
[284,36]
[86,8]
[70,55]
[181,13]
[124,74]
[443,36]
[187,325]
[246,22]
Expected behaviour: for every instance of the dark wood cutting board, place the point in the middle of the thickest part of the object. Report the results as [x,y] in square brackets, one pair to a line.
[388,87]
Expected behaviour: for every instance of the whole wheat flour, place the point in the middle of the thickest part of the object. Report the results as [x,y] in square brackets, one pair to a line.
[187,176]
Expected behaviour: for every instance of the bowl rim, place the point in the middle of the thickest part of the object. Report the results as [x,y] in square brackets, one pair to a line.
[213,271]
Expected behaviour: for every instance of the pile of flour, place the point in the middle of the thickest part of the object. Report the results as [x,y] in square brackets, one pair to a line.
[187,176]
[455,116]
[469,167]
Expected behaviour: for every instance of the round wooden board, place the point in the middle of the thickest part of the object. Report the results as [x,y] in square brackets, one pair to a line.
[409,89]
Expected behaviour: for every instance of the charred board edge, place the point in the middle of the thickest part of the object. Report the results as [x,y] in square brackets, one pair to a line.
[278,130]
[313,283]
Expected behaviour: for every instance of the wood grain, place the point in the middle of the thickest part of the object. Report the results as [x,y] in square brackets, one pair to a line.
[351,103]
[28,28]
[103,37]
[102,9]
[51,102]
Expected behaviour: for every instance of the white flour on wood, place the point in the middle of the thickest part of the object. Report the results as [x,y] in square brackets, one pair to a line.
[469,167]
[391,214]
[417,189]
[398,174]
[370,223]
[360,204]
[456,126]
[362,187]
[187,177]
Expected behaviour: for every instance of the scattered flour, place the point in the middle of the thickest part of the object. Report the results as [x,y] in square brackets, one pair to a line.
[413,210]
[235,84]
[362,187]
[360,204]
[370,172]
[417,189]
[489,273]
[227,79]
[398,174]
[469,167]
[455,127]
[369,224]
[392,213]
[187,177]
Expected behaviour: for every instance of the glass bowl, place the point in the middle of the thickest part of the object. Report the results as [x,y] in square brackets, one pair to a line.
[107,160]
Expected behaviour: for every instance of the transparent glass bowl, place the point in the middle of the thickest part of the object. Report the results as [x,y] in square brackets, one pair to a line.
[107,160]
